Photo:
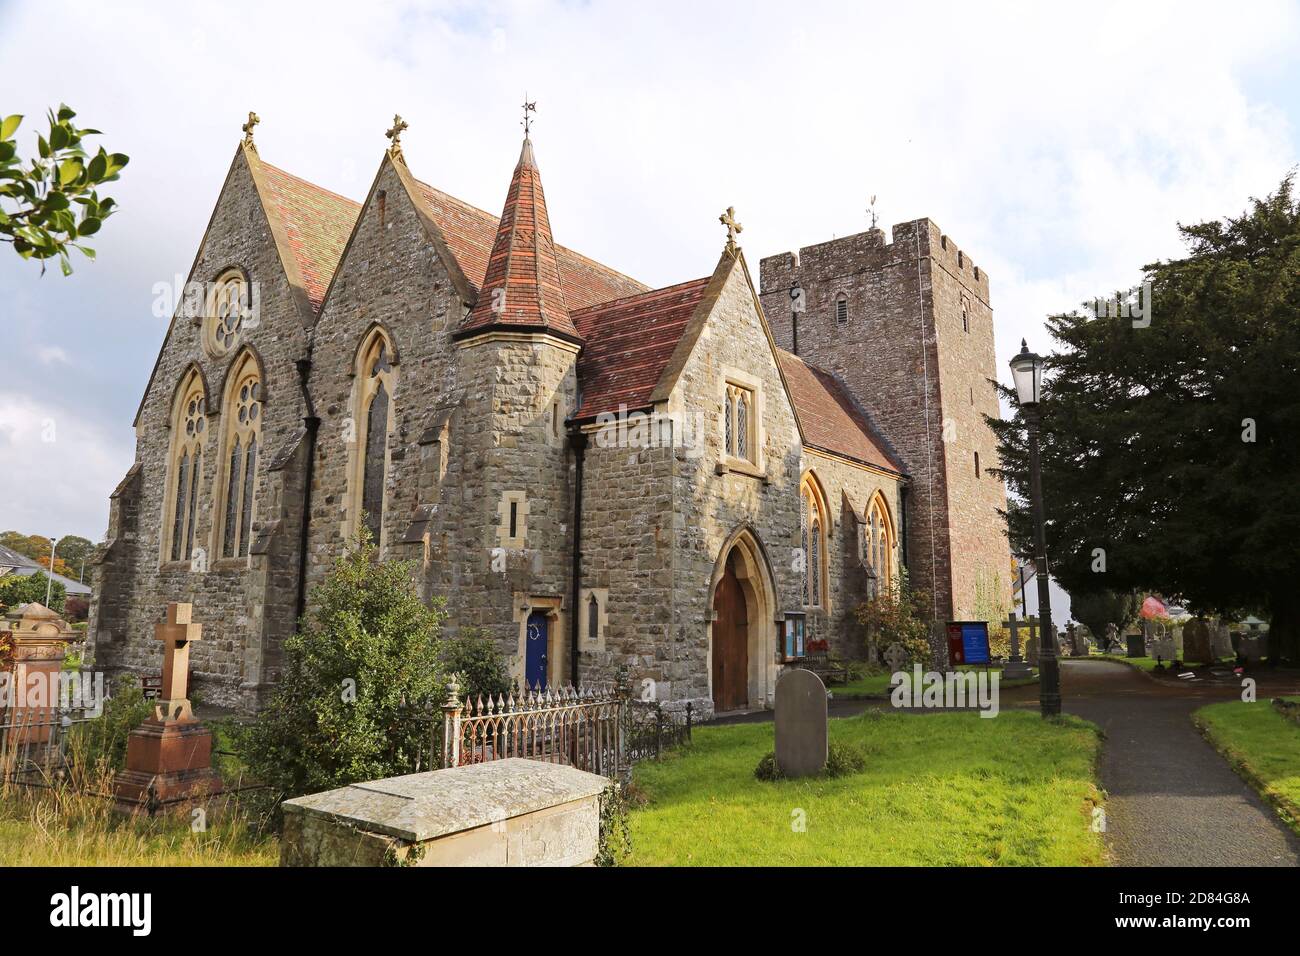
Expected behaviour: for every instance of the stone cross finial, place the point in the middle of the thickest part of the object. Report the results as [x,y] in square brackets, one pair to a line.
[871,211]
[176,633]
[527,121]
[253,120]
[734,228]
[895,657]
[395,134]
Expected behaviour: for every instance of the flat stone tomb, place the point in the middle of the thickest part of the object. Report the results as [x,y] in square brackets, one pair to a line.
[512,812]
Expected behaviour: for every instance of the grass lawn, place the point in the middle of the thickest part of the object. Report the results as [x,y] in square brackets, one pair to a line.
[939,790]
[877,685]
[1147,664]
[1262,746]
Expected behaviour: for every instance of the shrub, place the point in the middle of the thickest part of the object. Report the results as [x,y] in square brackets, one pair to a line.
[900,615]
[75,609]
[16,589]
[361,684]
[98,746]
[477,662]
[842,760]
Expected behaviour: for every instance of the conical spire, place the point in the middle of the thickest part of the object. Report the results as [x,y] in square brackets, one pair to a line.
[522,285]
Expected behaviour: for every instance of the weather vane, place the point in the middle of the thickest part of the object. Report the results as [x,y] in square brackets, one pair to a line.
[527,121]
[871,211]
[253,120]
[734,228]
[395,134]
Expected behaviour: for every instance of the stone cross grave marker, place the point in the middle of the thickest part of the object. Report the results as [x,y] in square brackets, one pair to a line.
[1015,668]
[801,732]
[1031,642]
[176,633]
[895,657]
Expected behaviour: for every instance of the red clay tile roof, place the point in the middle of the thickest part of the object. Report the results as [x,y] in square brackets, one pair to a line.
[829,417]
[318,224]
[522,284]
[628,343]
[470,232]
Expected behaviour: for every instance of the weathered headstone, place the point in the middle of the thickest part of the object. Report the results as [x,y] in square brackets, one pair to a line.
[1015,668]
[1197,642]
[1136,645]
[1222,642]
[1078,642]
[1252,648]
[895,657]
[801,730]
[1031,642]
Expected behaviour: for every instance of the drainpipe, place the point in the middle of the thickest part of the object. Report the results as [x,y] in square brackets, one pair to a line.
[312,423]
[577,442]
[902,508]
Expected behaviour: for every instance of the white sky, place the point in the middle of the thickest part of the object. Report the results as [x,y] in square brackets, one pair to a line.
[1057,147]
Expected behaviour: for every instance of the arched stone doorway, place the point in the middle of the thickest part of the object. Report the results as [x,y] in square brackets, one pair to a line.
[742,633]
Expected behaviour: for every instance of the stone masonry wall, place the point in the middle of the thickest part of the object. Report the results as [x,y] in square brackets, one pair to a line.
[133,584]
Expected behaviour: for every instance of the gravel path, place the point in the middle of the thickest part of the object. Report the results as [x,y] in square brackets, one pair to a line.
[1172,800]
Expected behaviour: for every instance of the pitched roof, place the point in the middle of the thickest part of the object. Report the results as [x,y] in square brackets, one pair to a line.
[317,223]
[470,232]
[829,417]
[628,343]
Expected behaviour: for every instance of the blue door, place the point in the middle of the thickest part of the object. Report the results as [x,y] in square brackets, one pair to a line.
[535,653]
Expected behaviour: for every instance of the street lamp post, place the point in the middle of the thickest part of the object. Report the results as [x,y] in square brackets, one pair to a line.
[49,581]
[1027,371]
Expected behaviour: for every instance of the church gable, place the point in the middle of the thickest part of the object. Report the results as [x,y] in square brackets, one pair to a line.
[384,372]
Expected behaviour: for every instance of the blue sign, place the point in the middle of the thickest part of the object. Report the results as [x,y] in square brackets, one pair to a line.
[968,642]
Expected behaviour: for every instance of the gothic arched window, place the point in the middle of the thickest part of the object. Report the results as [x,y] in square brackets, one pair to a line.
[189,436]
[880,543]
[223,318]
[241,417]
[593,619]
[812,531]
[738,422]
[373,421]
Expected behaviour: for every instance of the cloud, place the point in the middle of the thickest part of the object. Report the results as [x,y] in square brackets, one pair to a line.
[1058,146]
[52,355]
[53,456]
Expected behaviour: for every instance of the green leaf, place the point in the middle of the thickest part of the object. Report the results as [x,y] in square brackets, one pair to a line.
[89,226]
[43,147]
[58,137]
[88,252]
[69,170]
[9,125]
[65,265]
[98,166]
[66,112]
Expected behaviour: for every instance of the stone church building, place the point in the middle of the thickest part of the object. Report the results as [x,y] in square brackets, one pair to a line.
[697,482]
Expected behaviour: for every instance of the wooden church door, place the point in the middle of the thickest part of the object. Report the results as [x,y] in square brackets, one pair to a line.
[730,643]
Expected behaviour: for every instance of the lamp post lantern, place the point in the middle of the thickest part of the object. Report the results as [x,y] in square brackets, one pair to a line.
[1027,372]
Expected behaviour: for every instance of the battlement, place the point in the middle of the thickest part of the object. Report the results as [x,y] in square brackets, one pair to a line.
[867,251]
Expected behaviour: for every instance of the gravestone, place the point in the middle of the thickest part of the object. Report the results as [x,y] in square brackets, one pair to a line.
[1112,638]
[39,638]
[1252,648]
[1031,642]
[169,756]
[1222,642]
[1197,642]
[895,657]
[1015,668]
[1136,645]
[1078,642]
[801,731]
